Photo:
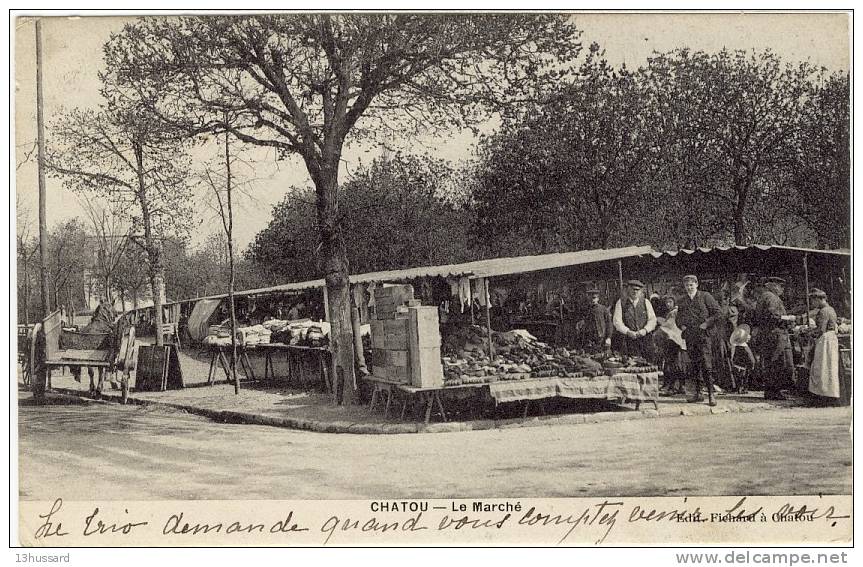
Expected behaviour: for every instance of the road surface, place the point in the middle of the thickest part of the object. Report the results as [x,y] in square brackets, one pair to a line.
[110,452]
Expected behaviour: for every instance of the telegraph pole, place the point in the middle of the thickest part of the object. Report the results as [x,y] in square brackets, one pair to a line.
[43,230]
[40,377]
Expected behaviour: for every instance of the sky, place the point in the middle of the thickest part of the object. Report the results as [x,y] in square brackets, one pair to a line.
[72,58]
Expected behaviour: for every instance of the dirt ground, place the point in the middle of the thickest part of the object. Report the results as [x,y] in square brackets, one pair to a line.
[108,451]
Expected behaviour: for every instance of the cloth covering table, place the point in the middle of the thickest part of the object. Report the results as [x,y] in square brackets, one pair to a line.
[622,386]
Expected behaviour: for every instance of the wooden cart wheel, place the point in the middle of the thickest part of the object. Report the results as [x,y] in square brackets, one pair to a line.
[32,362]
[129,359]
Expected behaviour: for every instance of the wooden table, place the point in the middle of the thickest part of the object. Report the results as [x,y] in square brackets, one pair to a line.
[217,354]
[430,398]
[295,368]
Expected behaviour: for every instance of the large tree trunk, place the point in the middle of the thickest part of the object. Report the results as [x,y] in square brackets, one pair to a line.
[153,252]
[741,191]
[739,227]
[336,270]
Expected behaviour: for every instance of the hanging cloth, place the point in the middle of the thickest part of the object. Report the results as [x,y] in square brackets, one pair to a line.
[359,292]
[371,290]
[480,293]
[824,370]
[464,293]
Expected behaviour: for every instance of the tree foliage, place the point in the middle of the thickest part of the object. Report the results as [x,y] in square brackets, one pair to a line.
[820,169]
[693,149]
[726,122]
[403,212]
[559,177]
[304,83]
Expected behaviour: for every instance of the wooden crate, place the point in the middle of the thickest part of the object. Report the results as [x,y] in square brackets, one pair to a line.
[398,294]
[396,341]
[426,370]
[383,357]
[424,327]
[399,374]
[379,333]
[424,347]
[396,326]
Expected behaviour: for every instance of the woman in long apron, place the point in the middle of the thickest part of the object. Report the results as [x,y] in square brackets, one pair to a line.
[824,370]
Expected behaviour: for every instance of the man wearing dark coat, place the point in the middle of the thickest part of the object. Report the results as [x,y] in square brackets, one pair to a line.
[697,312]
[773,343]
[596,324]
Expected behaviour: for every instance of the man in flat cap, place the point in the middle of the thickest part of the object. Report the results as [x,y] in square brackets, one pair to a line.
[634,320]
[773,343]
[697,312]
[597,326]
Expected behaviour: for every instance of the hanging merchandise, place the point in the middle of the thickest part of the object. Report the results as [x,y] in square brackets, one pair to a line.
[359,295]
[426,291]
[371,291]
[464,293]
[480,292]
[453,286]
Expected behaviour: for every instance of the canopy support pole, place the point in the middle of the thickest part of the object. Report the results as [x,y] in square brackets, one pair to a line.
[487,301]
[620,274]
[806,278]
[326,304]
[470,284]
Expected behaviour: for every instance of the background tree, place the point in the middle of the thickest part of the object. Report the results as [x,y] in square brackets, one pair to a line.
[563,175]
[288,245]
[110,238]
[131,273]
[69,257]
[725,122]
[401,212]
[26,246]
[220,181]
[820,167]
[123,155]
[304,83]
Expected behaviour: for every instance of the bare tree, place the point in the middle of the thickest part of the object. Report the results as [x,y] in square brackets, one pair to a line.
[67,259]
[26,247]
[304,83]
[222,186]
[110,239]
[122,154]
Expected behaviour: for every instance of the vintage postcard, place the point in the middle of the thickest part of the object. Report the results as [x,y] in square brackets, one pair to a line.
[433,279]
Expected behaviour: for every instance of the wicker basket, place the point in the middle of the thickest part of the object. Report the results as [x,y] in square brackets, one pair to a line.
[84,341]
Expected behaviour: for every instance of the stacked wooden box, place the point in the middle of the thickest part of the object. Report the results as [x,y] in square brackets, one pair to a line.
[405,339]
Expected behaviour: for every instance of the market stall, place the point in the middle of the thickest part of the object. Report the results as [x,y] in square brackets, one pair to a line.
[499,366]
[479,305]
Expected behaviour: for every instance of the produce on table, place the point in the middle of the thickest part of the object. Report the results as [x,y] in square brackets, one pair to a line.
[519,356]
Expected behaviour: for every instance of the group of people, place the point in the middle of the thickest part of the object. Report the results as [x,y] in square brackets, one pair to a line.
[702,336]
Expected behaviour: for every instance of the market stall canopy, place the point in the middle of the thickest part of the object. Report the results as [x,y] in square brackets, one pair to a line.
[764,259]
[525,264]
[506,266]
[476,269]
[493,267]
[283,288]
[751,247]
